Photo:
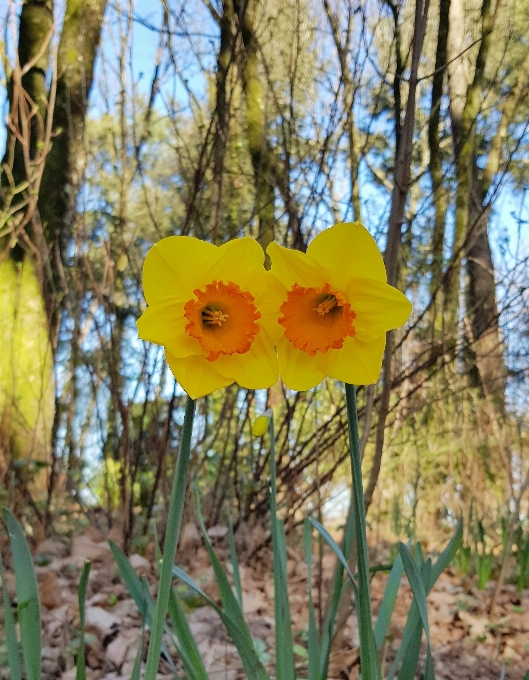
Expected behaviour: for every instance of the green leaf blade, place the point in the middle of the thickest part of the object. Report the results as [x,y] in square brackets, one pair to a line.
[27,598]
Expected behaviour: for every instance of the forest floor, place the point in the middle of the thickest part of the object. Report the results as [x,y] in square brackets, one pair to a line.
[466,642]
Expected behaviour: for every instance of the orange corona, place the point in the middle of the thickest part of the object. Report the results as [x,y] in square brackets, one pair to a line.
[222,318]
[316,319]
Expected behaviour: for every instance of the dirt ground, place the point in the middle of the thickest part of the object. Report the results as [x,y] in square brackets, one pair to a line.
[466,642]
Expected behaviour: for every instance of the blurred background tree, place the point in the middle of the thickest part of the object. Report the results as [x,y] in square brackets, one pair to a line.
[130,122]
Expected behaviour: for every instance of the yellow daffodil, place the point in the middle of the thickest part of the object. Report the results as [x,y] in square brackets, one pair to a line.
[336,308]
[214,309]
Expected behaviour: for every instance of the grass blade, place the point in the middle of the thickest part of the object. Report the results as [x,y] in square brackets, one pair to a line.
[132,583]
[335,548]
[13,652]
[187,648]
[388,602]
[27,599]
[80,673]
[417,586]
[285,665]
[337,593]
[174,520]
[313,643]
[445,557]
[234,561]
[412,630]
[369,660]
[411,652]
[237,630]
[138,590]
[135,675]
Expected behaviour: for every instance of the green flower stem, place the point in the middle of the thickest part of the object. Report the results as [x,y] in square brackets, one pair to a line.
[368,654]
[172,534]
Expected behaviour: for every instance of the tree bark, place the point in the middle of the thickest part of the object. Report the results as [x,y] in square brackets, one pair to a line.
[26,366]
[399,196]
[487,343]
[64,167]
[342,50]
[222,112]
[440,197]
[463,129]
[28,104]
[256,123]
[42,220]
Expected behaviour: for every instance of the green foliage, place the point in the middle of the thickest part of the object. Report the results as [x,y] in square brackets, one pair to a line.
[12,650]
[81,662]
[27,398]
[28,606]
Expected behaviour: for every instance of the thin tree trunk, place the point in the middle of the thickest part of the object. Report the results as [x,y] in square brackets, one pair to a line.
[440,196]
[399,196]
[342,50]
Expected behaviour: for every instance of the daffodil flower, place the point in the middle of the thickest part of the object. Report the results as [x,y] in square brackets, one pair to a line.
[336,308]
[214,309]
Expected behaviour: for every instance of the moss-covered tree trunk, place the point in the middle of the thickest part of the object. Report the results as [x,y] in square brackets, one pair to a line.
[256,123]
[31,252]
[64,166]
[26,359]
[222,112]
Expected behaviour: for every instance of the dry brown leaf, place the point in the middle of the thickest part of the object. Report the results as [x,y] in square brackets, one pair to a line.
[50,592]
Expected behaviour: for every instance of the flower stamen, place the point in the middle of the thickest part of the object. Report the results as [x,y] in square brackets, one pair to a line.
[214,317]
[223,318]
[316,319]
[325,307]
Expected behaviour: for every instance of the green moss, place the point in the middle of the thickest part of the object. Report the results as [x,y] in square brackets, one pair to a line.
[26,367]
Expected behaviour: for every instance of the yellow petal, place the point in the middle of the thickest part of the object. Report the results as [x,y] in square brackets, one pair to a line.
[196,375]
[240,260]
[378,307]
[291,266]
[299,371]
[164,324]
[358,363]
[255,369]
[175,266]
[268,299]
[348,250]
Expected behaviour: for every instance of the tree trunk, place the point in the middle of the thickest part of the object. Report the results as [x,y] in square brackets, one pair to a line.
[256,124]
[31,274]
[64,167]
[401,187]
[222,112]
[483,309]
[26,361]
[28,105]
[487,344]
[342,50]
[440,196]
[464,131]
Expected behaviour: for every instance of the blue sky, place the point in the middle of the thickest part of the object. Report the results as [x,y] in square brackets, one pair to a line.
[509,207]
